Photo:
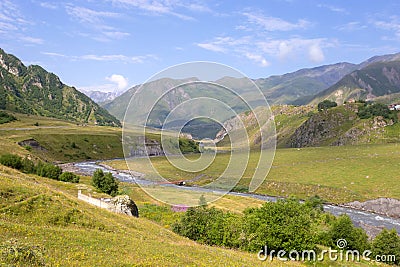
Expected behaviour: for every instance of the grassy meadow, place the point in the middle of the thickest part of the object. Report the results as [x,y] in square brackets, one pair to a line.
[337,174]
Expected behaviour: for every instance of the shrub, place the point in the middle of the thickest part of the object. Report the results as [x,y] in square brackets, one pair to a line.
[369,111]
[286,224]
[387,243]
[283,225]
[12,161]
[48,170]
[326,104]
[5,117]
[105,182]
[28,166]
[343,228]
[208,226]
[69,177]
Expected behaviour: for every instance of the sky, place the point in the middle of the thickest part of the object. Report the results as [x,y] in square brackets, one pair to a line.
[112,45]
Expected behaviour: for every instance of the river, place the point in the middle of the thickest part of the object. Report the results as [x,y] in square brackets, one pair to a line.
[357,216]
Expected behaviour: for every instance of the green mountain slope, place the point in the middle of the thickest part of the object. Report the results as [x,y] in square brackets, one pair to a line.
[33,90]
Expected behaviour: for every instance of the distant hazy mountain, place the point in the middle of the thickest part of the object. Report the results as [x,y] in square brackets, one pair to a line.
[379,78]
[33,90]
[301,84]
[102,98]
[170,100]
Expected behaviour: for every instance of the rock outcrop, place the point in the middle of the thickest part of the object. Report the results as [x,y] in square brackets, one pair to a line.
[125,205]
[384,206]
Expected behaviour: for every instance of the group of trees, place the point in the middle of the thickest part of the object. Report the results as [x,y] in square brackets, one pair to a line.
[368,111]
[40,168]
[326,104]
[284,225]
[5,117]
[105,182]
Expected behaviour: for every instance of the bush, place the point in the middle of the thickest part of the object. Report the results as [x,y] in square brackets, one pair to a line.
[326,104]
[69,177]
[5,117]
[283,225]
[28,166]
[343,228]
[369,111]
[105,182]
[12,161]
[210,226]
[387,243]
[48,170]
[286,224]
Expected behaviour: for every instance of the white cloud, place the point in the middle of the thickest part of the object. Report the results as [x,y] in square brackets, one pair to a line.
[257,58]
[273,23]
[258,51]
[351,26]
[48,5]
[162,7]
[86,15]
[212,47]
[115,57]
[334,8]
[315,53]
[120,80]
[31,40]
[11,19]
[391,24]
[95,20]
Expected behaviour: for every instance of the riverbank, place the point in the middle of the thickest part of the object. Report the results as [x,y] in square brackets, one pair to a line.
[372,221]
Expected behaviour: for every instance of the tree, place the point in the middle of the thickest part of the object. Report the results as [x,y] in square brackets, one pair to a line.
[343,228]
[105,182]
[202,201]
[48,170]
[282,225]
[326,104]
[387,243]
[377,109]
[69,177]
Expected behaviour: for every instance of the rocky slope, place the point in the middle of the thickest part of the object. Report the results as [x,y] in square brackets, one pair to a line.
[374,80]
[304,126]
[33,90]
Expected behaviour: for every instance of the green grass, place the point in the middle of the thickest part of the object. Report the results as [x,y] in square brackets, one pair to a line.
[41,214]
[337,174]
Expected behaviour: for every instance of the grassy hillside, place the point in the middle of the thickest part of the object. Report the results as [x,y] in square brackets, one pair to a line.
[59,140]
[44,217]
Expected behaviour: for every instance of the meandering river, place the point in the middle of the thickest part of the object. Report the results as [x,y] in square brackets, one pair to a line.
[356,216]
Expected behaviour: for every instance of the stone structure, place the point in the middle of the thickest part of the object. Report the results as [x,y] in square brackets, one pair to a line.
[119,204]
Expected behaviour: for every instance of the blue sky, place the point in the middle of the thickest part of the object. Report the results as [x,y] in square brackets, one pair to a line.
[114,44]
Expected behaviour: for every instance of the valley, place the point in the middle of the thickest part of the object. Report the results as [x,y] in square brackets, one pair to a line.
[326,158]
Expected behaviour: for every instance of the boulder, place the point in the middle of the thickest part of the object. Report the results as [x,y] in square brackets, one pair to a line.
[125,205]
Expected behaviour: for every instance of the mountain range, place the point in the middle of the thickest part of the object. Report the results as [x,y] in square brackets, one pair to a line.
[33,90]
[100,97]
[378,76]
